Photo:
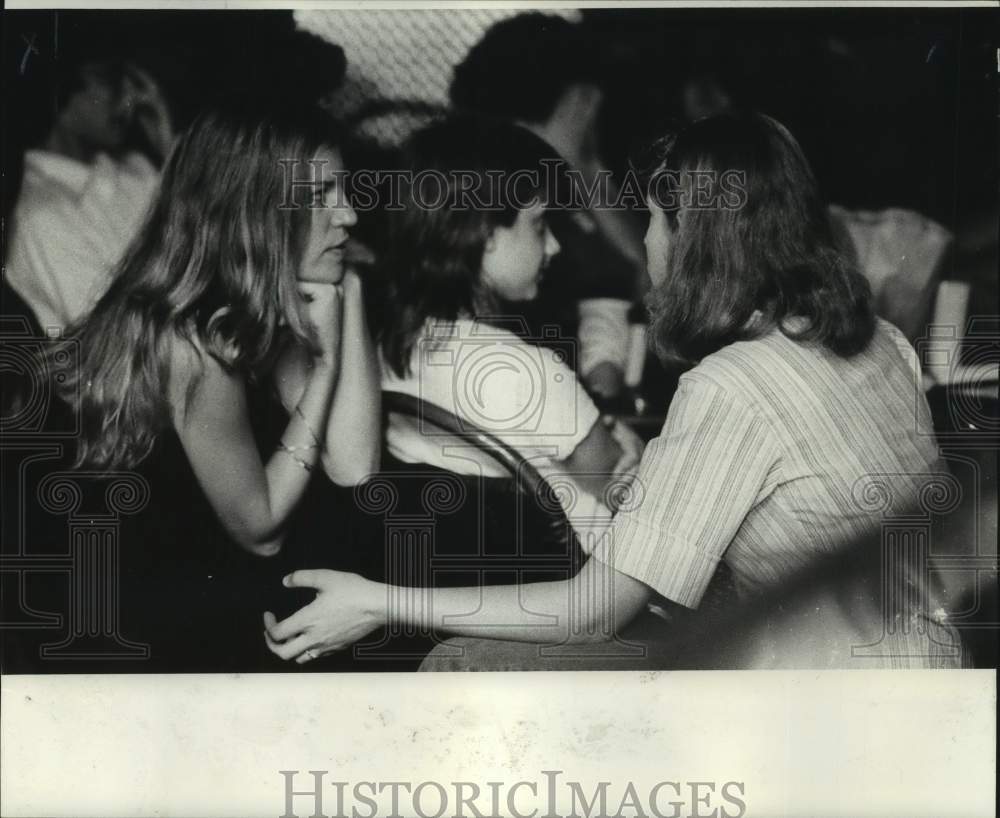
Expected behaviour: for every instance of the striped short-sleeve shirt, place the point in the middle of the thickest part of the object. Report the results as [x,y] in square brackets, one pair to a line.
[766,458]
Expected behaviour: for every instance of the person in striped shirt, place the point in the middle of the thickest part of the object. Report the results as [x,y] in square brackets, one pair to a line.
[796,438]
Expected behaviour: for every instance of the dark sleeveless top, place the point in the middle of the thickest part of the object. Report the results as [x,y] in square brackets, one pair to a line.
[193,594]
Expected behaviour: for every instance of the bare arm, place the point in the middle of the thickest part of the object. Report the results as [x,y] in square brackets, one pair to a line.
[609,451]
[593,460]
[254,501]
[591,607]
[353,431]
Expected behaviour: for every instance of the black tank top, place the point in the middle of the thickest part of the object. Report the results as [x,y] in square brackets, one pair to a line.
[195,595]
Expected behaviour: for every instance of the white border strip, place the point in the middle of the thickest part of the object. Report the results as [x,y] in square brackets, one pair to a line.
[849,743]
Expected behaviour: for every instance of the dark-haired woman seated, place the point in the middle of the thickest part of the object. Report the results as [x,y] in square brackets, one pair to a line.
[463,245]
[235,291]
[799,410]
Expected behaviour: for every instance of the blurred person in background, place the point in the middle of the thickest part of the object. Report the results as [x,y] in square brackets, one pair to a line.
[96,99]
[93,127]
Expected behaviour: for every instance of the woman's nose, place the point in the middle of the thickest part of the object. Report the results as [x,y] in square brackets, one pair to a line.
[551,244]
[344,216]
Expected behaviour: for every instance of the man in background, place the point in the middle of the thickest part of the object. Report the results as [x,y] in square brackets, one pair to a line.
[90,129]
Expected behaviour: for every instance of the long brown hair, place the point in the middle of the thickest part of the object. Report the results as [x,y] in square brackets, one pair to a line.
[757,257]
[215,264]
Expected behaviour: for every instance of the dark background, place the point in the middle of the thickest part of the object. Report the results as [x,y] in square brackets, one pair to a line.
[894,107]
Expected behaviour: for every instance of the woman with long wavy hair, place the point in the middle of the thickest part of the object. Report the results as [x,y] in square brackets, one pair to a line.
[795,430]
[236,287]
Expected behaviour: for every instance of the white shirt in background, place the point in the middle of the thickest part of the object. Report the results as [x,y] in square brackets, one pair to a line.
[71,226]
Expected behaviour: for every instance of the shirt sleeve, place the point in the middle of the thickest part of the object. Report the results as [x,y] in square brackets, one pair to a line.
[54,266]
[695,486]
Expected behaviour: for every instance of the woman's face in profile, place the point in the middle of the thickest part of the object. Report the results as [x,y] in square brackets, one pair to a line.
[330,218]
[657,243]
[516,256]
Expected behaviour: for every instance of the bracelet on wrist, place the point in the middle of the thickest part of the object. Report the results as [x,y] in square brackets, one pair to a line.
[291,453]
[292,449]
[312,434]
